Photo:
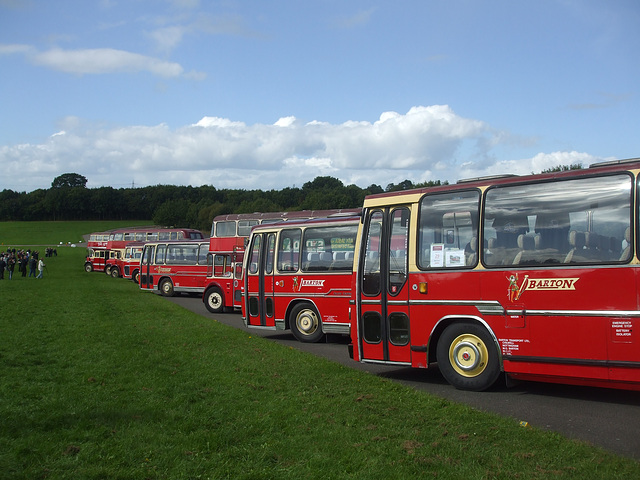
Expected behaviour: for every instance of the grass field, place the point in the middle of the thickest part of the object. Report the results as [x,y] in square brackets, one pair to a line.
[101,381]
[54,233]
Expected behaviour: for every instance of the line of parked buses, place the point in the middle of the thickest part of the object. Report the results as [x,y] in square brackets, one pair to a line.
[533,277]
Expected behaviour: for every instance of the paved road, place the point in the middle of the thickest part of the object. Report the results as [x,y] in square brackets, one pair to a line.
[603,417]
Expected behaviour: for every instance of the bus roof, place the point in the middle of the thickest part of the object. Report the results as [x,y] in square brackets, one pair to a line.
[350,219]
[287,216]
[479,182]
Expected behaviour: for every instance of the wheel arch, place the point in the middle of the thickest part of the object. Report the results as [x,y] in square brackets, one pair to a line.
[208,287]
[442,325]
[162,279]
[295,302]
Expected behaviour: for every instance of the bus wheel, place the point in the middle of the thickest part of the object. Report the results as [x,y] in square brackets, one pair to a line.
[213,300]
[305,324]
[88,267]
[115,273]
[136,277]
[166,288]
[467,357]
[107,270]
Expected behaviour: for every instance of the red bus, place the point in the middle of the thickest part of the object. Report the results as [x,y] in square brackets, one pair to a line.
[174,266]
[97,252]
[114,246]
[126,265]
[229,235]
[298,277]
[535,277]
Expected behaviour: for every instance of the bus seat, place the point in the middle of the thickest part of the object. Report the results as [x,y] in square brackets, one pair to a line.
[577,242]
[627,250]
[326,257]
[593,247]
[470,251]
[553,229]
[338,256]
[527,246]
[507,230]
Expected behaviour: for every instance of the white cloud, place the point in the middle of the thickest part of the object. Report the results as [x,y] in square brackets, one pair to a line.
[99,61]
[15,48]
[426,143]
[104,60]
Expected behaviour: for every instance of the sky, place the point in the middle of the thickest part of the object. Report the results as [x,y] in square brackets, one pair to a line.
[255,94]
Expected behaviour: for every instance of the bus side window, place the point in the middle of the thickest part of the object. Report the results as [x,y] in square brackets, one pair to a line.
[371,271]
[289,250]
[255,254]
[448,225]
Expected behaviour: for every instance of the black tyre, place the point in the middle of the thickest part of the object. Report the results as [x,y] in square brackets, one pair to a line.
[305,323]
[467,357]
[214,301]
[166,288]
[88,267]
[115,273]
[136,277]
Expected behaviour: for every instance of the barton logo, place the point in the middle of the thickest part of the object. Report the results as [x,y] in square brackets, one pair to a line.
[298,284]
[517,289]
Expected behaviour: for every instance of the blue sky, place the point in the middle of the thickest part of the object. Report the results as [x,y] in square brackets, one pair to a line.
[271,94]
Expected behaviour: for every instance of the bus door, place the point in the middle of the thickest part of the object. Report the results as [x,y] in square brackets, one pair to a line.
[146,278]
[238,283]
[259,281]
[382,289]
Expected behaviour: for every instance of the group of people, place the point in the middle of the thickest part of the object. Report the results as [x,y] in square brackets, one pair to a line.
[23,259]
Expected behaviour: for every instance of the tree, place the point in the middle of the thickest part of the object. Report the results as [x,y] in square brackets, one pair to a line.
[563,168]
[69,180]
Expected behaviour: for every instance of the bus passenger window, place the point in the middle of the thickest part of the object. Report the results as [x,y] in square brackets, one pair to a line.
[255,254]
[574,221]
[289,250]
[398,250]
[448,226]
[371,270]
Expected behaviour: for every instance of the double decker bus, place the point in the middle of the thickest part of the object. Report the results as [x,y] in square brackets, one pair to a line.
[535,277]
[126,265]
[114,246]
[174,266]
[229,236]
[97,251]
[298,276]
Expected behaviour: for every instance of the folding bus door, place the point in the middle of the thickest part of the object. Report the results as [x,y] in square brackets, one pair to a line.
[259,281]
[383,298]
[146,277]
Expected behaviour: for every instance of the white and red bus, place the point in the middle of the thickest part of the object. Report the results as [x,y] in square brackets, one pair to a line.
[126,265]
[298,276]
[229,235]
[97,252]
[114,246]
[174,266]
[534,277]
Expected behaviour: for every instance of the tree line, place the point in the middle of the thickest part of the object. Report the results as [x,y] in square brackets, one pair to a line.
[184,206]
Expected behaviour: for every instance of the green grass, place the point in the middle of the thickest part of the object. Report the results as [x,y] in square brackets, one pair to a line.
[52,233]
[100,380]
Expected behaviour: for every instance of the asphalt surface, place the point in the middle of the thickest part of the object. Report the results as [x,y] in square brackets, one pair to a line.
[603,417]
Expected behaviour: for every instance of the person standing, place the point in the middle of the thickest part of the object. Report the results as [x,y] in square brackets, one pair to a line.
[41,266]
[11,265]
[2,265]
[32,266]
[22,265]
